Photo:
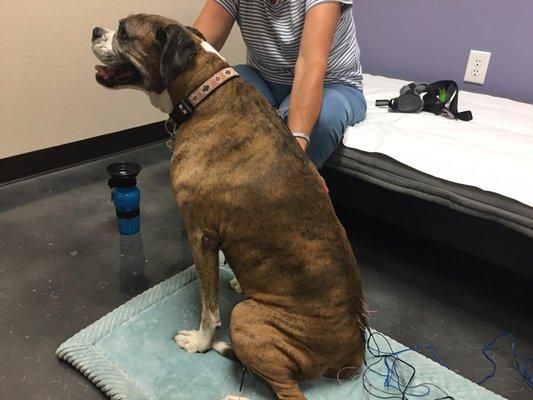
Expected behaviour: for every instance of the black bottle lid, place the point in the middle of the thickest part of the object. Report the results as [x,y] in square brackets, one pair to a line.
[123,174]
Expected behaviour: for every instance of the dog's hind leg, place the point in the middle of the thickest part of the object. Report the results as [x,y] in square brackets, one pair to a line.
[285,388]
[259,346]
[205,255]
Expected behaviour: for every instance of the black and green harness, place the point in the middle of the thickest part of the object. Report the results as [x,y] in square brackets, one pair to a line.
[439,98]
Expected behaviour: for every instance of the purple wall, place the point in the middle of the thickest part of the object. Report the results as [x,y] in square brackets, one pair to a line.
[429,40]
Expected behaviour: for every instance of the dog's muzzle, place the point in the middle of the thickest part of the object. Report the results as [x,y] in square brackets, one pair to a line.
[116,70]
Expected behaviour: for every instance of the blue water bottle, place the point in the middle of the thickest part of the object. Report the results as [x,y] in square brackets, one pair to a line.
[125,195]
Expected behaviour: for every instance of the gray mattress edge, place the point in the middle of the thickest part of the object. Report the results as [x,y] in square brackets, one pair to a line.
[386,172]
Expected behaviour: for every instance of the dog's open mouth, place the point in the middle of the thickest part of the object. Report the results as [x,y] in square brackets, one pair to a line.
[112,77]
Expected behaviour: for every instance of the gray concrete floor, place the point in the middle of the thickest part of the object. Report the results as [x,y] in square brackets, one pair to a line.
[63,265]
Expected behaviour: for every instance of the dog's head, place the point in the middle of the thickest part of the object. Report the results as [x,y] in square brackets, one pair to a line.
[146,51]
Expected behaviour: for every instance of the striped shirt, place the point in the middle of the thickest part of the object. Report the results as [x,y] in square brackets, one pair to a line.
[273,32]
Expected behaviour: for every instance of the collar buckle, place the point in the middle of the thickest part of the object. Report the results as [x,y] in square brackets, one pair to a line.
[182,111]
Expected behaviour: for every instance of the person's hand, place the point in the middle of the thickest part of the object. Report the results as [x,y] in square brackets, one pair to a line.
[303,143]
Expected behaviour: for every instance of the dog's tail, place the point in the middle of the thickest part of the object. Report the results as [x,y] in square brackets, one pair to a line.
[226,350]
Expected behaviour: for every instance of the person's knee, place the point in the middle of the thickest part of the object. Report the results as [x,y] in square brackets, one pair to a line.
[336,111]
[359,107]
[347,102]
[333,119]
[331,128]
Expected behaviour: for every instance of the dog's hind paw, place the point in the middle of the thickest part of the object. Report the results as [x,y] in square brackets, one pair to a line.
[234,284]
[193,341]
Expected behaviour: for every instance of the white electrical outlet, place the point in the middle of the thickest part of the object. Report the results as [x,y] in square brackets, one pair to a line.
[476,68]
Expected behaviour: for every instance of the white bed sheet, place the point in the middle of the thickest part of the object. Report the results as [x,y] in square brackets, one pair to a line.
[493,152]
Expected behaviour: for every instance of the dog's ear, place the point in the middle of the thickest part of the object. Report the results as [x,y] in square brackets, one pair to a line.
[160,35]
[178,51]
[196,32]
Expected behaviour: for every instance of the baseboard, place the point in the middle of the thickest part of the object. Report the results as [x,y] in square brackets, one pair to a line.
[37,162]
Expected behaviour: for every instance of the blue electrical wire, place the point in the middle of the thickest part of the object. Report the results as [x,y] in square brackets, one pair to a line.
[527,376]
[521,367]
[417,347]
[391,369]
[393,378]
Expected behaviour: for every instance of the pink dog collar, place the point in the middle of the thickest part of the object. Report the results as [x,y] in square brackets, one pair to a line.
[183,110]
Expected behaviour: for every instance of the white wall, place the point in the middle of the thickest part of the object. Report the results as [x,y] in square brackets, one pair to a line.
[48,92]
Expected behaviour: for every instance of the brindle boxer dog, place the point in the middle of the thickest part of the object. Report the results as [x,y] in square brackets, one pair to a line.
[243,185]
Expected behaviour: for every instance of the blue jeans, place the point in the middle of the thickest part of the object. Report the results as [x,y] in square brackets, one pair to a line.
[342,106]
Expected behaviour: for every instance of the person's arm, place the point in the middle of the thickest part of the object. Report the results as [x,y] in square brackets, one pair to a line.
[306,97]
[215,23]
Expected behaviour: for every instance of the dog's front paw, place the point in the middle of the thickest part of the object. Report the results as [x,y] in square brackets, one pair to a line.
[193,341]
[235,398]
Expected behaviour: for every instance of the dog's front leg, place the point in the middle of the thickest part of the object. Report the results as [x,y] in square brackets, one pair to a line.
[205,255]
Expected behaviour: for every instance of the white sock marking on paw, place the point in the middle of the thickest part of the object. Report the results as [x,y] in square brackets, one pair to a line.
[234,284]
[235,398]
[220,347]
[193,341]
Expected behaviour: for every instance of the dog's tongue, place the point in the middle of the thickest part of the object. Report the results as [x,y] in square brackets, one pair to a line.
[119,75]
[104,72]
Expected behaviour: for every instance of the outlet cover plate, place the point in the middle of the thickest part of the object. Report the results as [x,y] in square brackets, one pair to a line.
[477,66]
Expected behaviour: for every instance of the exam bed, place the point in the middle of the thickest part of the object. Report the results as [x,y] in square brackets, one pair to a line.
[467,184]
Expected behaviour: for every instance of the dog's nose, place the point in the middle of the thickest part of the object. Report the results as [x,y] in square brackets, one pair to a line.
[97,33]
